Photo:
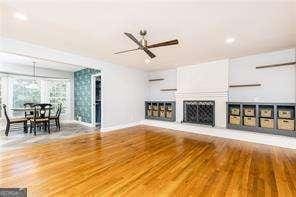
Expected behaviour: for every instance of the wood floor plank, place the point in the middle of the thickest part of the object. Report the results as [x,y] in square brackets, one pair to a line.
[150,161]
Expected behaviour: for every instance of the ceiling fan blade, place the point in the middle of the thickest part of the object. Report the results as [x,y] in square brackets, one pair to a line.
[162,44]
[134,39]
[127,51]
[151,55]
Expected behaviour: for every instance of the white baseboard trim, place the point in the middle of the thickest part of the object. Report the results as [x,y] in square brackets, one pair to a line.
[79,122]
[132,124]
[260,138]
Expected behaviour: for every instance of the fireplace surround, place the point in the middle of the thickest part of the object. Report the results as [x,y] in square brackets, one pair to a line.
[199,112]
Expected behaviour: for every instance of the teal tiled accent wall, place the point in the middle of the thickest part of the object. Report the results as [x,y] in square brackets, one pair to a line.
[82,94]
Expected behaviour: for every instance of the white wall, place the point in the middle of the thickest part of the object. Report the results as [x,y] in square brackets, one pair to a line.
[124,91]
[169,82]
[278,83]
[123,88]
[205,77]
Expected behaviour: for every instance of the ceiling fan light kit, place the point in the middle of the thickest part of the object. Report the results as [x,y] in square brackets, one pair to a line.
[143,44]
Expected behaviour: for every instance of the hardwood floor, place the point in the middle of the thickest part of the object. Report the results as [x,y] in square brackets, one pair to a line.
[150,161]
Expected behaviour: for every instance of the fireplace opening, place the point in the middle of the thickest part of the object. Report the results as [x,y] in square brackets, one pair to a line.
[199,112]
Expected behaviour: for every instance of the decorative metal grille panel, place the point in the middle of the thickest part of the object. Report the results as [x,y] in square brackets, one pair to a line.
[199,112]
[191,112]
[205,113]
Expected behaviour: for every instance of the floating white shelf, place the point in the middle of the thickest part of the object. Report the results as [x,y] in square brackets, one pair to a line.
[159,79]
[276,65]
[168,89]
[244,85]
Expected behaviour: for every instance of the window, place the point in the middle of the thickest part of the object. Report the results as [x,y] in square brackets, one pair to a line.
[57,93]
[24,91]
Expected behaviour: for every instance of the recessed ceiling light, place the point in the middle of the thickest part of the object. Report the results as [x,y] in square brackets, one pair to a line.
[20,16]
[229,40]
[147,61]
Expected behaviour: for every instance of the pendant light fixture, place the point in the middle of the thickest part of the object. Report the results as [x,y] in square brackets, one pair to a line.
[34,65]
[34,85]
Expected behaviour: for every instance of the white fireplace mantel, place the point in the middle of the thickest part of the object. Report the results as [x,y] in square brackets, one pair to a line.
[220,99]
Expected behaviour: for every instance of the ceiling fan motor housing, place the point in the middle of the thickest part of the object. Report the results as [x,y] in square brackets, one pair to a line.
[143,32]
[144,42]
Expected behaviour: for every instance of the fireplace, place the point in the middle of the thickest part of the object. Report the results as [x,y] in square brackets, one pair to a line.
[199,112]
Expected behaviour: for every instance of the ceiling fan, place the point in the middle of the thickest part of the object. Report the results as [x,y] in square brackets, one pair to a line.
[143,44]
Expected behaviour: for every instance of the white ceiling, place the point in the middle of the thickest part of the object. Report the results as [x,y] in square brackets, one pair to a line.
[95,28]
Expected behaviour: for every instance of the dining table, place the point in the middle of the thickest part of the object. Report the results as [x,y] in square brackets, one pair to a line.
[29,110]
[37,115]
[24,109]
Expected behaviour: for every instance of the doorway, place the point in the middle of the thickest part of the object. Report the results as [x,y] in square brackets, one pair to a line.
[96,100]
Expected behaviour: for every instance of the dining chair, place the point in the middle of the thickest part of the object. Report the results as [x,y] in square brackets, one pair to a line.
[29,114]
[10,121]
[56,117]
[41,117]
